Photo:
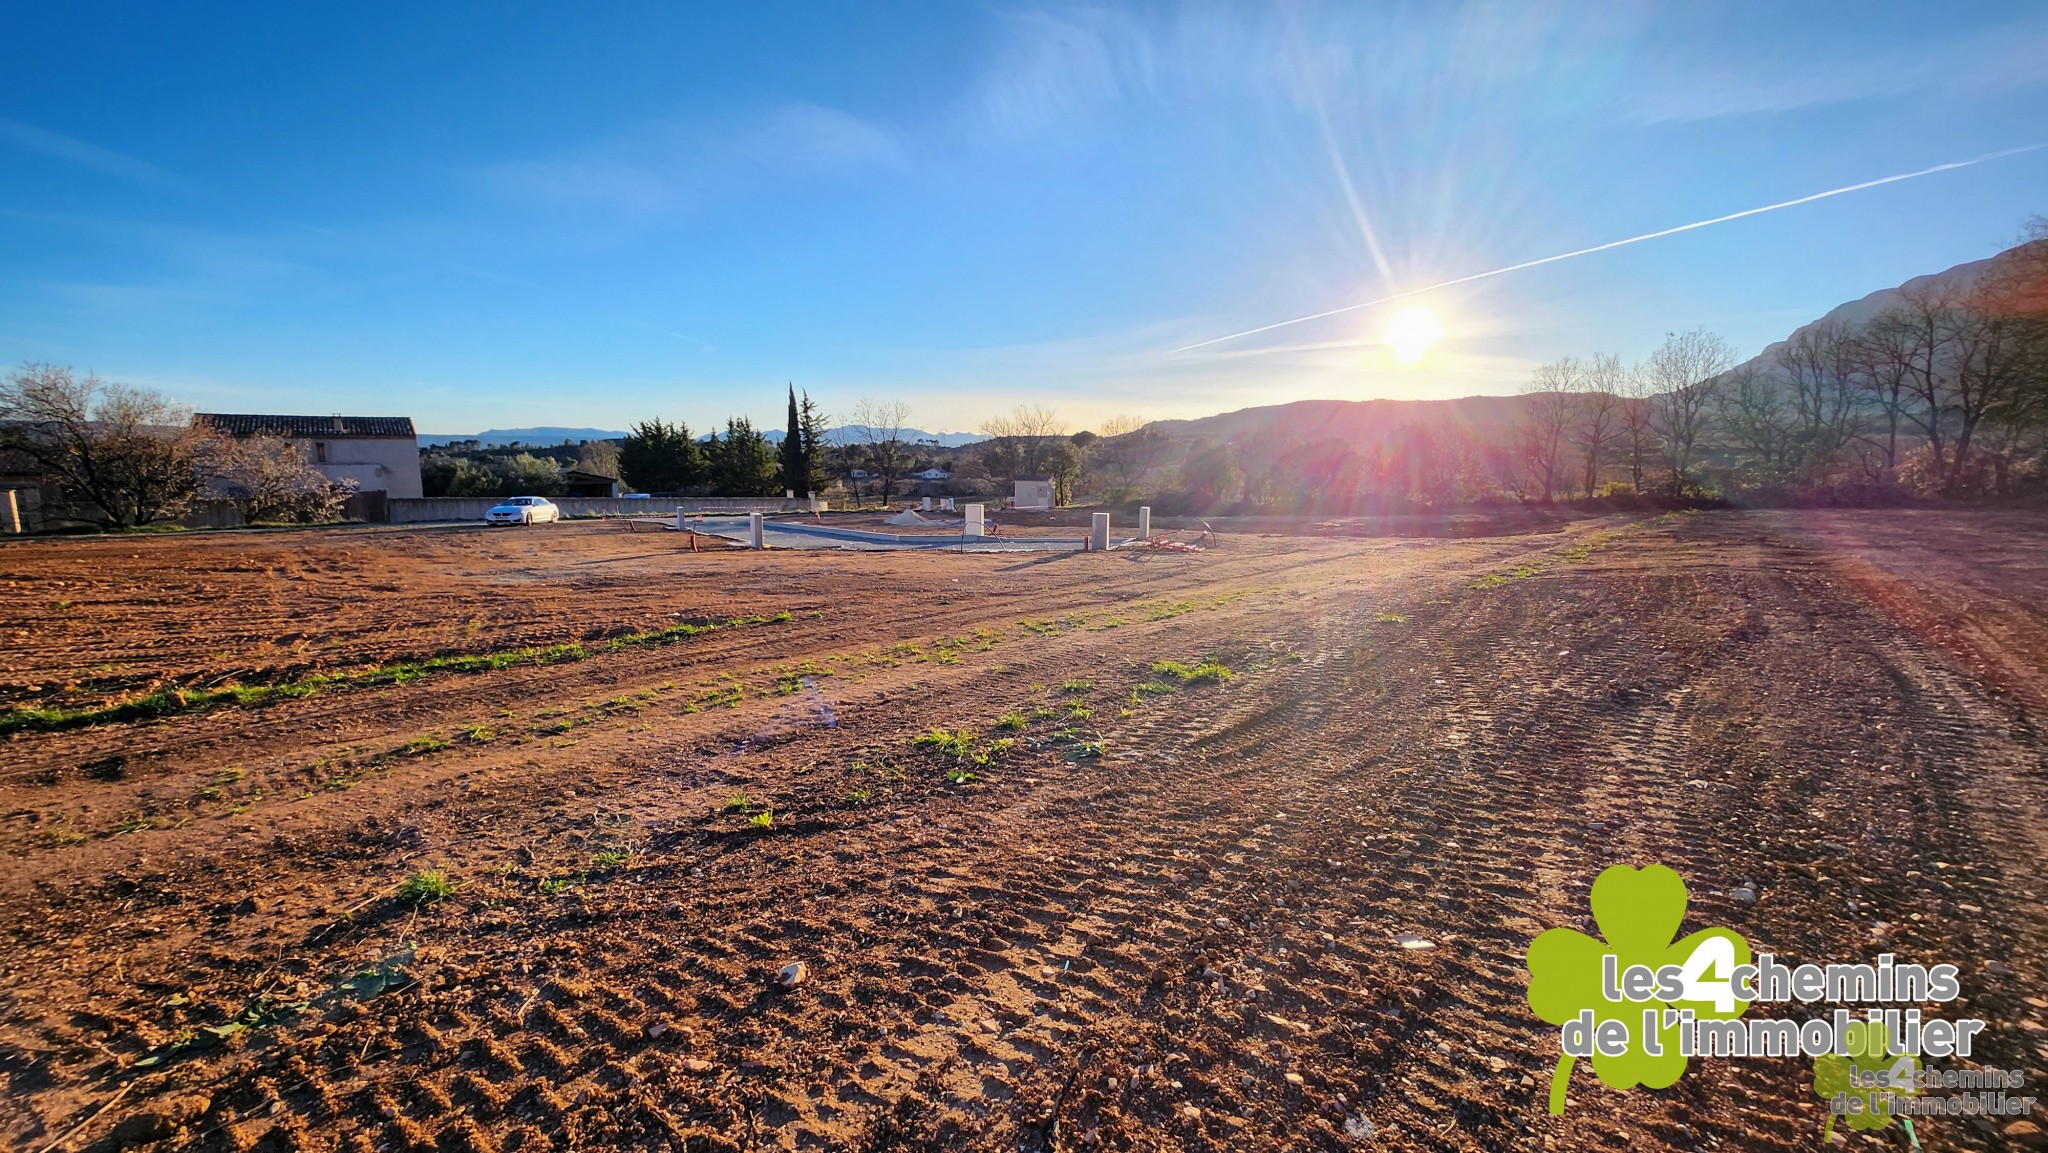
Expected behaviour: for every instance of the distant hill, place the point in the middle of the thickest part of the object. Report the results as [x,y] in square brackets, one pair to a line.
[545,435]
[1356,421]
[845,434]
[1863,310]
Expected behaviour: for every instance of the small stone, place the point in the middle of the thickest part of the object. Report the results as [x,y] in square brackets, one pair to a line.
[1743,896]
[2020,1129]
[697,1065]
[1411,941]
[1998,968]
[792,974]
[657,1029]
[1191,1112]
[1294,1079]
[1358,1128]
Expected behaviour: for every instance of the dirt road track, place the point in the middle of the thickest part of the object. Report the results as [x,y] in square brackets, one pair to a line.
[1186,941]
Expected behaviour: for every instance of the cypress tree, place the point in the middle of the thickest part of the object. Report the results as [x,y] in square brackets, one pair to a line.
[795,453]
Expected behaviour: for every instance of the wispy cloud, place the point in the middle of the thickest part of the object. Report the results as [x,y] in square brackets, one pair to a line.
[1984,62]
[668,166]
[88,155]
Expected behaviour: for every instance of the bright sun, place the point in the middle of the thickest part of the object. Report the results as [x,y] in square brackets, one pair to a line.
[1411,332]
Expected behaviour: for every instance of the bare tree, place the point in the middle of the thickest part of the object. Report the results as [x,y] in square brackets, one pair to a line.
[1754,415]
[1598,416]
[1546,418]
[878,425]
[1920,328]
[119,455]
[1819,367]
[1023,439]
[1681,373]
[1884,350]
[1638,422]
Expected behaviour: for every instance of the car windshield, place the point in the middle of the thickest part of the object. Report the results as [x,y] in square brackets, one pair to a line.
[517,500]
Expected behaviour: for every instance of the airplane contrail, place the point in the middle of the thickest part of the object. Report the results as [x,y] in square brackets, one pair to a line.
[1949,167]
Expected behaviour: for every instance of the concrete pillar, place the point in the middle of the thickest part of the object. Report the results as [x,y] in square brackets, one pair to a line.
[10,512]
[973,521]
[927,505]
[682,519]
[754,530]
[946,503]
[1098,533]
[1144,522]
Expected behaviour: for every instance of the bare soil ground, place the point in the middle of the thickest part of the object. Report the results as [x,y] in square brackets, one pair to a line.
[1165,916]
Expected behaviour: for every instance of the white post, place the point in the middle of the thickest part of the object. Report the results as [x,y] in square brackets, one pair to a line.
[10,512]
[946,503]
[1144,522]
[681,520]
[1098,535]
[754,530]
[927,505]
[973,528]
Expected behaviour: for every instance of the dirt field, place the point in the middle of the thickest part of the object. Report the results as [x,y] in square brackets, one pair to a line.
[1167,915]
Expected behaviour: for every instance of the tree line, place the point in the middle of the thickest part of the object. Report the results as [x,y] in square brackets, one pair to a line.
[1943,392]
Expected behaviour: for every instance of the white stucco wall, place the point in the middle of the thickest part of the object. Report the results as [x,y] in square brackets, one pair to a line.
[388,463]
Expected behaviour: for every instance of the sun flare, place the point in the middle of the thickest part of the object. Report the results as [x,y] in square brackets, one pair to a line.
[1411,332]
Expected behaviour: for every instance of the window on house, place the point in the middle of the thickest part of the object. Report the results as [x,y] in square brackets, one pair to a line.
[319,452]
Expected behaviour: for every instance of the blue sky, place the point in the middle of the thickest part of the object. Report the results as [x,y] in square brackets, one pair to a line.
[500,215]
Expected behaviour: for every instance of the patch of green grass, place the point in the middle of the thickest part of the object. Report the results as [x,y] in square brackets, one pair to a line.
[1042,713]
[1079,711]
[1085,749]
[1390,618]
[478,734]
[549,886]
[1209,671]
[421,746]
[1041,628]
[424,887]
[740,803]
[134,823]
[1075,685]
[1013,721]
[170,701]
[947,742]
[859,797]
[960,776]
[762,821]
[610,858]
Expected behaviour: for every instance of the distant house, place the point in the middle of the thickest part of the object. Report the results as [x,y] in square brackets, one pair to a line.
[379,453]
[932,474]
[1033,494]
[595,484]
[860,474]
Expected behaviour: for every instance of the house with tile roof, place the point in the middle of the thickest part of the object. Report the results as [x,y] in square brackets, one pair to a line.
[379,453]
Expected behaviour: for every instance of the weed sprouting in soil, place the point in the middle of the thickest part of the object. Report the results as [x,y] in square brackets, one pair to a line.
[425,887]
[1209,671]
[762,821]
[1013,721]
[954,743]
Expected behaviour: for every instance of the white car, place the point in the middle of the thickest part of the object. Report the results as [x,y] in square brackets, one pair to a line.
[524,510]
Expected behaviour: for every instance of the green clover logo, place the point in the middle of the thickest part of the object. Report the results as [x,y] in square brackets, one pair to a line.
[1638,912]
[1869,1045]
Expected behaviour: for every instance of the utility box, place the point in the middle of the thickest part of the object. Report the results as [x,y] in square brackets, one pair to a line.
[1033,494]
